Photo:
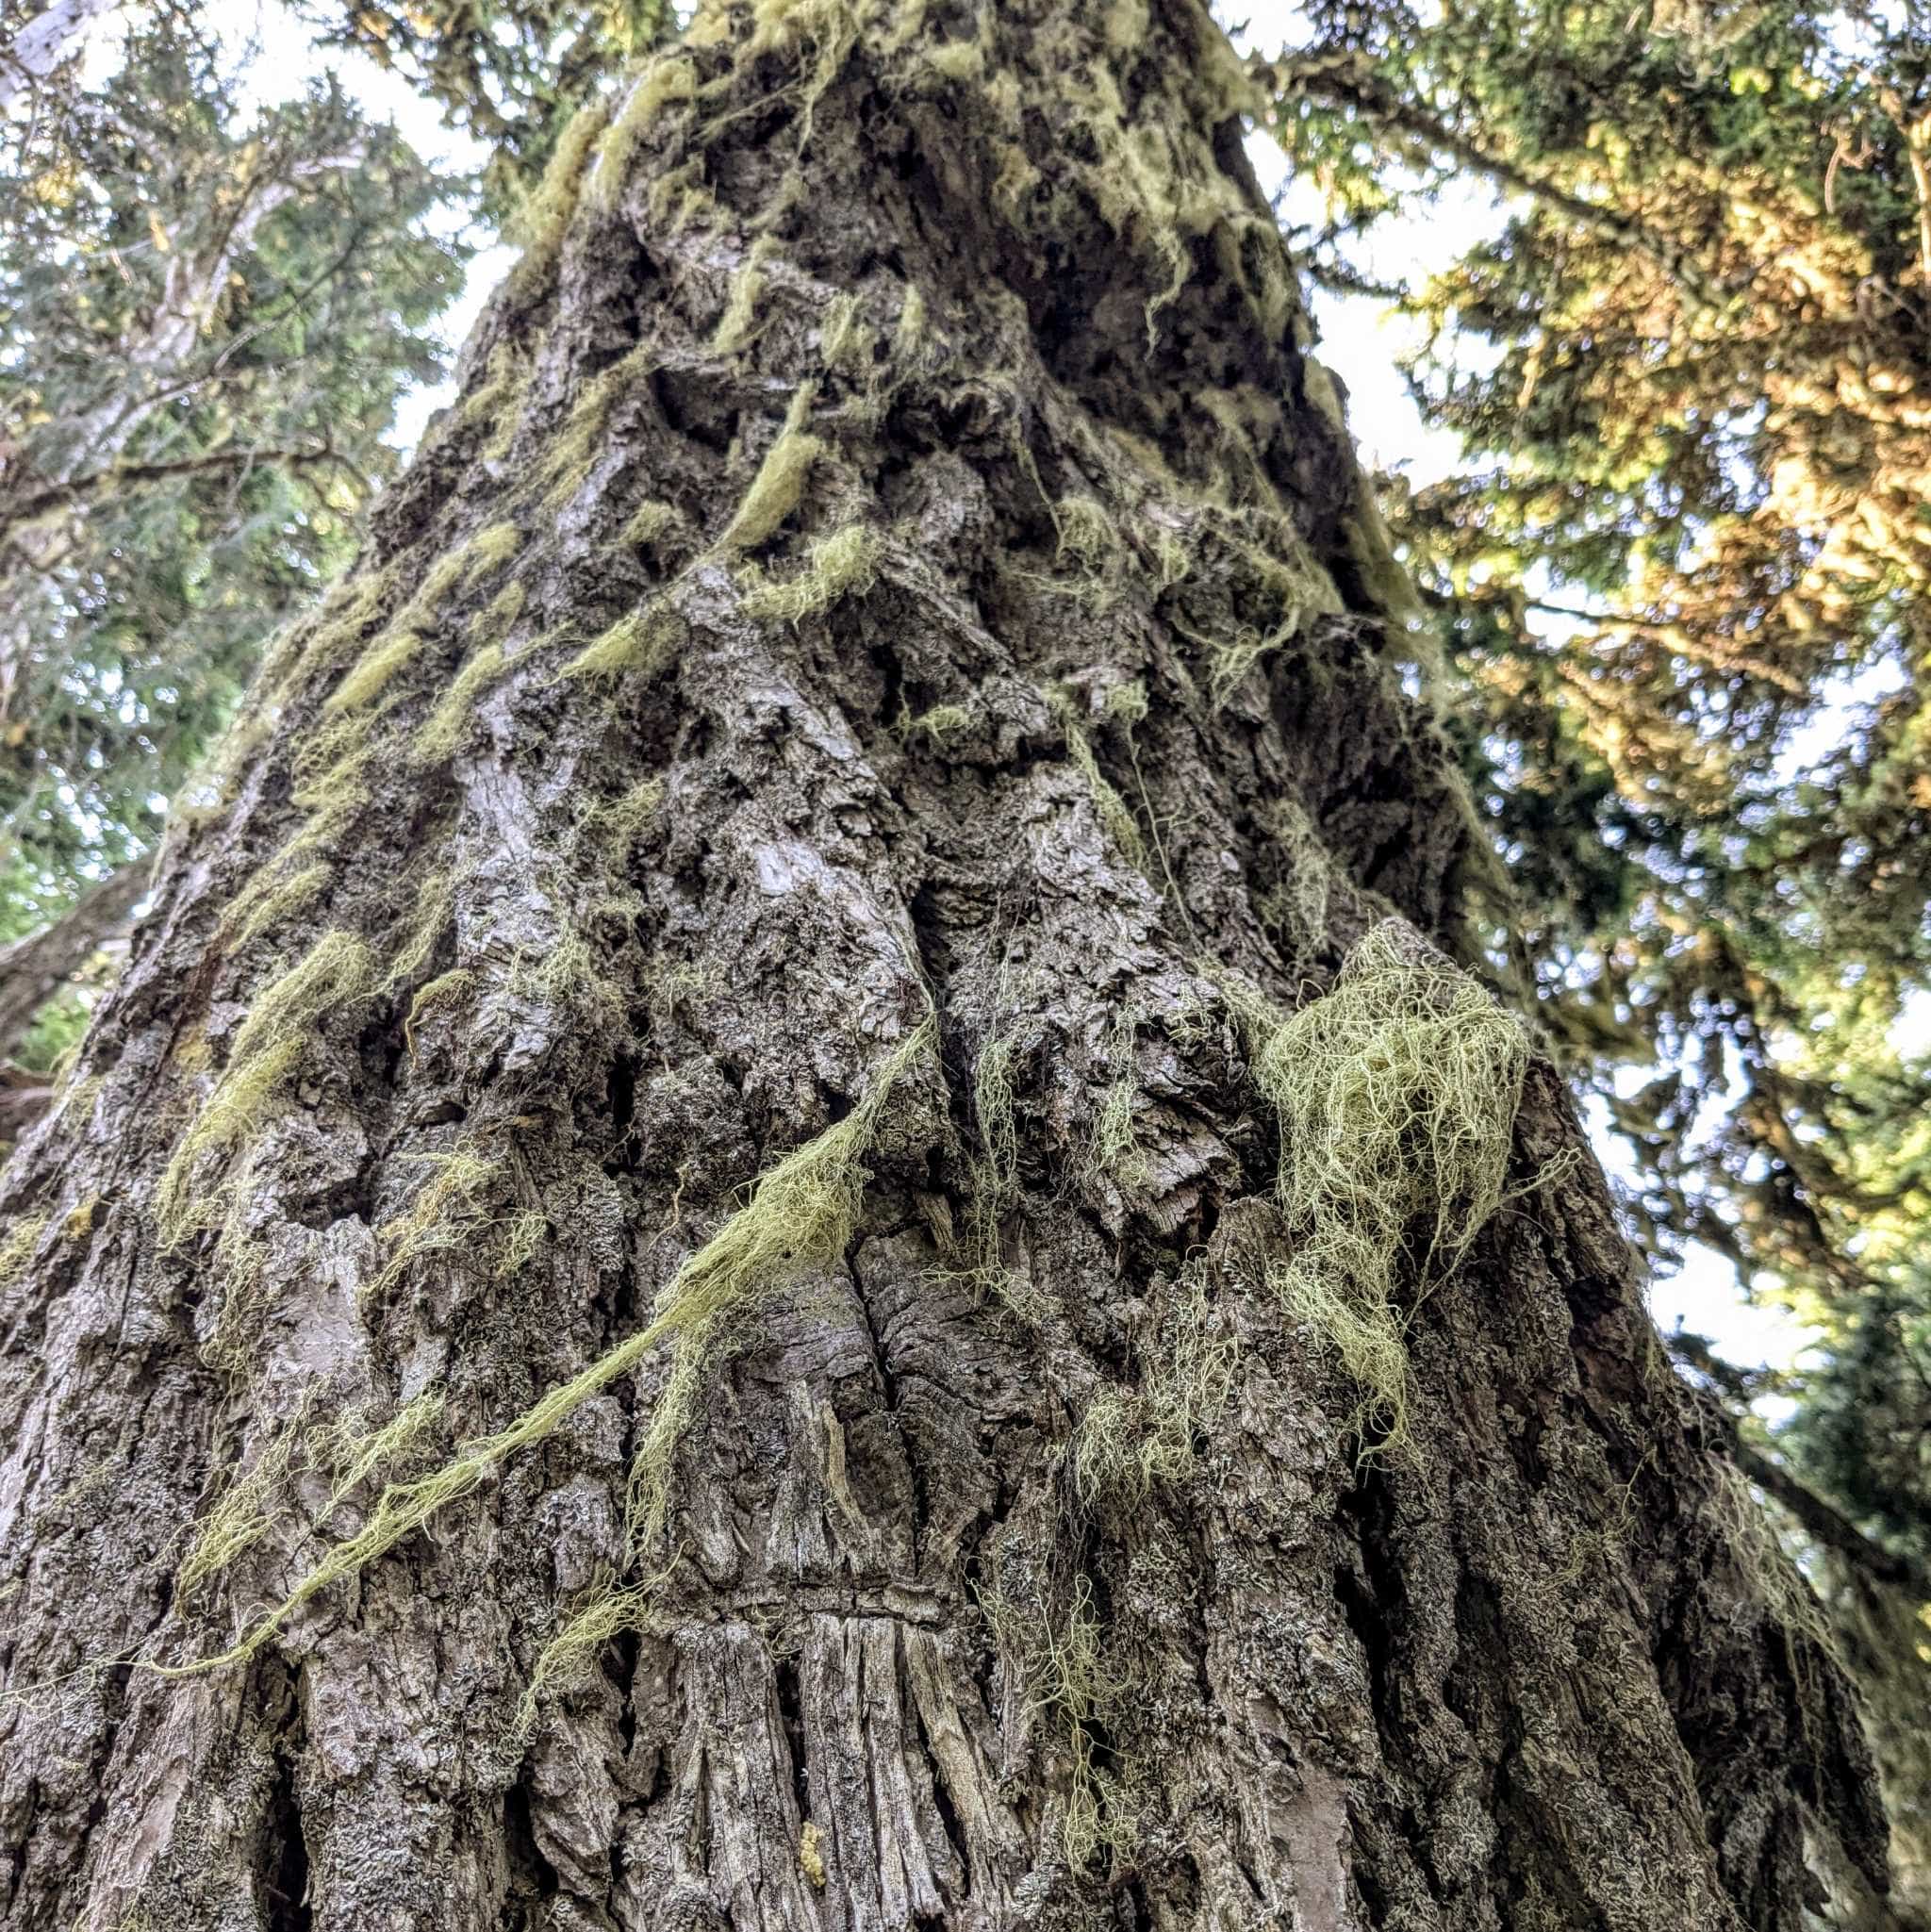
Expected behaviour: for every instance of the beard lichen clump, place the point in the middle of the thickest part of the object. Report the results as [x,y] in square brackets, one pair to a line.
[1129,1440]
[777,487]
[344,1452]
[17,1247]
[1396,1095]
[846,562]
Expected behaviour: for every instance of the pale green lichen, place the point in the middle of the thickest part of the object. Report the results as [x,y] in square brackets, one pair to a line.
[451,1210]
[912,338]
[444,990]
[270,1044]
[442,733]
[431,906]
[403,640]
[649,525]
[844,563]
[957,61]
[272,899]
[1131,1439]
[844,341]
[1296,908]
[572,975]
[263,1497]
[679,196]
[667,80]
[1156,182]
[492,401]
[1396,1095]
[491,624]
[736,325]
[1113,1151]
[17,1247]
[491,548]
[802,1214]
[525,1233]
[545,218]
[1115,814]
[350,613]
[996,1168]
[354,1454]
[392,652]
[573,449]
[334,795]
[248,1511]
[940,726]
[645,639]
[624,820]
[1087,532]
[777,487]
[1054,1644]
[608,1609]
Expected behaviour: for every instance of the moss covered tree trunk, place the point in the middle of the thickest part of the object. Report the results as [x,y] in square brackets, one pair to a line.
[787,1220]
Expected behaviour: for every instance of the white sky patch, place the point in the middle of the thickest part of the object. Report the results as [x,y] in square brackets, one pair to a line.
[1838,706]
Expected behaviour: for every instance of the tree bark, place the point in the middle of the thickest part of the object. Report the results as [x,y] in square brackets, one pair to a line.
[887,681]
[34,51]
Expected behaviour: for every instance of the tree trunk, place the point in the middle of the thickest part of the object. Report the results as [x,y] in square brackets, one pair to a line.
[33,52]
[887,683]
[35,969]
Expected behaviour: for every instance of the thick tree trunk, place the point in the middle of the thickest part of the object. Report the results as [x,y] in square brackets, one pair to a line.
[886,683]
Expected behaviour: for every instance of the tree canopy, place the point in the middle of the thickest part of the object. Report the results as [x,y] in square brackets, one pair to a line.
[207,314]
[512,74]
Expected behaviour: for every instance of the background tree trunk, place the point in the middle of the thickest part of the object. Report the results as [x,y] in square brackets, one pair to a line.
[887,682]
[34,50]
[35,969]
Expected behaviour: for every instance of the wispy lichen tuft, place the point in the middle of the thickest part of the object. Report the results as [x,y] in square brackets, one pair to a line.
[1396,1095]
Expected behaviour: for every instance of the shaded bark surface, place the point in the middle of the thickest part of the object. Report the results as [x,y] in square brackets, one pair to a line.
[1104,747]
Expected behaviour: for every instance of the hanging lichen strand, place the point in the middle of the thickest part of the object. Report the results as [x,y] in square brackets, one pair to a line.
[790,1108]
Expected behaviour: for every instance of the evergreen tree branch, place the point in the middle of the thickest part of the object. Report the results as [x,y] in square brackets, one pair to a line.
[1828,1526]
[1345,77]
[1822,1520]
[50,494]
[33,969]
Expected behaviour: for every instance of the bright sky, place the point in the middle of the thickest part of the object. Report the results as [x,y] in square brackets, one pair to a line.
[284,55]
[1361,342]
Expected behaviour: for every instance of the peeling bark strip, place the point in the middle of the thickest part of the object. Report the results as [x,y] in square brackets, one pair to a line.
[885,683]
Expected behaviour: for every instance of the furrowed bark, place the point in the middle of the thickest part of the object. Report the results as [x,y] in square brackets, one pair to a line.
[887,682]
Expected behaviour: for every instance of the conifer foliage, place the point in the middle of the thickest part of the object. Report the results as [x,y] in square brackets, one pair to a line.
[207,313]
